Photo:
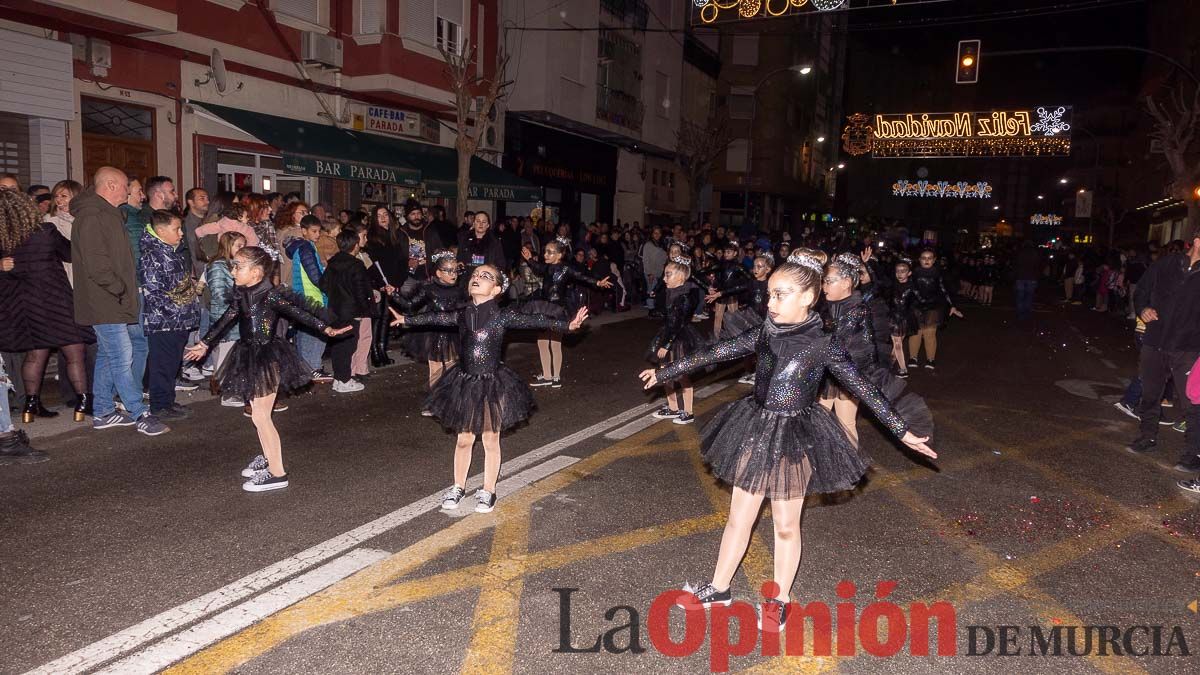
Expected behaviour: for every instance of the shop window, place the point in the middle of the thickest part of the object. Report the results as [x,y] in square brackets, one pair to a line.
[235,158]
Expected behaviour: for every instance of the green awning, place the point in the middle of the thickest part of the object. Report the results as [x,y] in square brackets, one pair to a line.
[312,149]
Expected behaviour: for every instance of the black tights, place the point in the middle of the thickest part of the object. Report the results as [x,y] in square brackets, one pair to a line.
[34,368]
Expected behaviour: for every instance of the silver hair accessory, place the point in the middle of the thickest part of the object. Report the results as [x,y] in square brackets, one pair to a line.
[440,256]
[848,264]
[770,257]
[807,261]
[502,279]
[564,241]
[680,260]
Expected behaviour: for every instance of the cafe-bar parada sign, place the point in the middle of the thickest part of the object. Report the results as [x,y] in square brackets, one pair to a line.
[401,123]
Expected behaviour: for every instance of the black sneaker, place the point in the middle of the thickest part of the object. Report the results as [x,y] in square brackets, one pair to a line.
[175,412]
[321,377]
[184,385]
[708,595]
[912,364]
[263,481]
[556,383]
[486,501]
[15,449]
[665,413]
[453,496]
[772,615]
[684,418]
[1191,485]
[112,420]
[930,364]
[1189,465]
[150,425]
[257,464]
[540,381]
[1143,446]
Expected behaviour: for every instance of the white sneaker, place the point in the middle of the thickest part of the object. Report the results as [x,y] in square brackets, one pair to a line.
[232,402]
[348,387]
[193,374]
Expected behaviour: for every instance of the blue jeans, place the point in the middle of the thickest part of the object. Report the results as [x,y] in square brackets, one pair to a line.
[114,371]
[310,346]
[6,424]
[141,350]
[1025,291]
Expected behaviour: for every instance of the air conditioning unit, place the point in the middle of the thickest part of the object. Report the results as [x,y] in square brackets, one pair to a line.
[320,50]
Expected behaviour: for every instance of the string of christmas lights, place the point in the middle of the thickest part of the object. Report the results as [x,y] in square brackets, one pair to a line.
[972,147]
[942,189]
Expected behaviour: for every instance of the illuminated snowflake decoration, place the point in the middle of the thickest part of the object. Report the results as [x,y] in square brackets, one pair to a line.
[1051,123]
[827,5]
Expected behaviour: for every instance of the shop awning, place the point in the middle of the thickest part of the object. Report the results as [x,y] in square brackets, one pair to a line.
[321,150]
[311,149]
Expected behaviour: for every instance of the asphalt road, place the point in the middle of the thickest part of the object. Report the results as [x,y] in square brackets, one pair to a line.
[134,553]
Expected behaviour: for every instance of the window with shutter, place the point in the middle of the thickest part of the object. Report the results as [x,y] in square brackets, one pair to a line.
[450,25]
[420,21]
[308,10]
[371,14]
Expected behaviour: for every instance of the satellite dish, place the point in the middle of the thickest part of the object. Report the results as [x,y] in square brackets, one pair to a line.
[217,63]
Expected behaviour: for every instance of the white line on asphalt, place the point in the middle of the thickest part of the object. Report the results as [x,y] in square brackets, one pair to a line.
[231,621]
[1108,364]
[621,433]
[166,622]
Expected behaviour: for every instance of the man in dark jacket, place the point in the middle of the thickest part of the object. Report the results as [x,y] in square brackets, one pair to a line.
[1168,301]
[441,235]
[106,298]
[348,288]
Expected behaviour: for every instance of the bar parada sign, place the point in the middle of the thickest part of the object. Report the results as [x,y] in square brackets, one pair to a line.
[355,171]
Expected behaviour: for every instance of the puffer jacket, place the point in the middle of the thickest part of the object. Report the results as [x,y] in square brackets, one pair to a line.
[220,289]
[170,295]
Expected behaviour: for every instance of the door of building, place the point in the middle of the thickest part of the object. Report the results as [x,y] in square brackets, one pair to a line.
[119,135]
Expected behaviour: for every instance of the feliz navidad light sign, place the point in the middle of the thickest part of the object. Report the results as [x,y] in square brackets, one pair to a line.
[1037,132]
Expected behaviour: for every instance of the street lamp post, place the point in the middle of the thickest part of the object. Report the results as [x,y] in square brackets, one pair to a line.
[802,70]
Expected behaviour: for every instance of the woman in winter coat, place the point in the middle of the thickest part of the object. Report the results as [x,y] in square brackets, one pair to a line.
[37,307]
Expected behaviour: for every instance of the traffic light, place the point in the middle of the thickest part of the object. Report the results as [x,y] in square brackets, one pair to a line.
[967,69]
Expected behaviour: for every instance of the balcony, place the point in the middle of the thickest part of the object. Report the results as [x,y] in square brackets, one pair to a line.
[619,108]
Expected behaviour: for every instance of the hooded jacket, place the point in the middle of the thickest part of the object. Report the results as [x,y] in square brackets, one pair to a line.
[106,289]
[170,293]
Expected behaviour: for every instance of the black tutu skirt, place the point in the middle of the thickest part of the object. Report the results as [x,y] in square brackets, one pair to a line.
[546,308]
[781,455]
[477,403]
[739,322]
[254,369]
[422,344]
[687,342]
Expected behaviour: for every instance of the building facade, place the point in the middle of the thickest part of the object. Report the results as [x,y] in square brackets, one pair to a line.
[594,110]
[344,101]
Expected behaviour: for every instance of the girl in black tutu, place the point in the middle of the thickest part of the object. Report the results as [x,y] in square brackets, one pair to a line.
[931,306]
[902,319]
[677,338]
[479,395]
[262,363]
[778,443]
[751,312]
[554,300]
[437,347]
[850,317]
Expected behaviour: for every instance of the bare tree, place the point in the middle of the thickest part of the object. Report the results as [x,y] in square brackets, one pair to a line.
[471,120]
[1175,125]
[697,146]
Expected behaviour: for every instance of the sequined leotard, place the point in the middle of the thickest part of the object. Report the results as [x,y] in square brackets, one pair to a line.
[261,361]
[779,441]
[554,298]
[677,336]
[431,343]
[480,393]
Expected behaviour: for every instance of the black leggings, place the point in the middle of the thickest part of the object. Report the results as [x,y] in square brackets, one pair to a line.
[33,370]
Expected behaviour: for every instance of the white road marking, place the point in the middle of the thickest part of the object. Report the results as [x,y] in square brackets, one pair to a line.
[1108,364]
[157,626]
[231,621]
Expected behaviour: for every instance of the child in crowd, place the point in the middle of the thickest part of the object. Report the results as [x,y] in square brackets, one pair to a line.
[677,338]
[348,288]
[170,296]
[305,281]
[262,363]
[479,395]
[219,277]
